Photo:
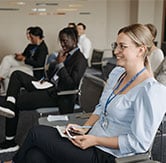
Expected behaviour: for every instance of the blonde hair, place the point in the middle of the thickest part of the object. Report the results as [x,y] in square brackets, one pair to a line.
[140,35]
[152,29]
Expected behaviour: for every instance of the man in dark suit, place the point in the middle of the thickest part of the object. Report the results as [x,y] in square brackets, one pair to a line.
[65,74]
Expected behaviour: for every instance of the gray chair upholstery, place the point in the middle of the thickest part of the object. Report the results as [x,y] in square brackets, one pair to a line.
[146,157]
[91,90]
[90,86]
[55,110]
[96,62]
[142,158]
[163,47]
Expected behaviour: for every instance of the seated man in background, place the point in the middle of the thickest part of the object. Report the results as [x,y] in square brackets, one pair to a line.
[156,56]
[64,74]
[34,55]
[84,42]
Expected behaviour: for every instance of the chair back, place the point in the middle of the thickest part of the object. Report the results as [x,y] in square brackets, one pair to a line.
[146,157]
[65,102]
[91,89]
[163,47]
[96,60]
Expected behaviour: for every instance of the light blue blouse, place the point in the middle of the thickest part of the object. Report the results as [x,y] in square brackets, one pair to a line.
[133,117]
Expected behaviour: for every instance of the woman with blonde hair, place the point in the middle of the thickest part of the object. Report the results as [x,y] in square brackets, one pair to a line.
[156,56]
[124,122]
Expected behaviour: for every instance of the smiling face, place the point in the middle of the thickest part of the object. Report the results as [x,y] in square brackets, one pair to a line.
[80,30]
[67,42]
[127,52]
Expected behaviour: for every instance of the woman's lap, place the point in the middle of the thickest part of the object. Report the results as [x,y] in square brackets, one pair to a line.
[59,150]
[48,140]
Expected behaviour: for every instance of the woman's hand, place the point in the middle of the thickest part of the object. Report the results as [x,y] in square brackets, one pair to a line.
[78,129]
[84,141]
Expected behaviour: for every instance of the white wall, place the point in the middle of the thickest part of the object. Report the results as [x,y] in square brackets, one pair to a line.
[106,18]
[14,24]
[118,15]
[150,11]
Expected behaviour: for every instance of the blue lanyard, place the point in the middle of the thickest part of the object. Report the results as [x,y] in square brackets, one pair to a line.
[111,96]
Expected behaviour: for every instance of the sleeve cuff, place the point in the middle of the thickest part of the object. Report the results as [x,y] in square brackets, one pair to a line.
[124,145]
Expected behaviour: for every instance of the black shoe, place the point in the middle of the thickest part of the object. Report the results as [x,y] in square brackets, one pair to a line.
[7,109]
[8,146]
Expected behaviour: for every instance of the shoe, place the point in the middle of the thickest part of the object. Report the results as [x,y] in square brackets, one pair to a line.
[7,109]
[6,112]
[8,146]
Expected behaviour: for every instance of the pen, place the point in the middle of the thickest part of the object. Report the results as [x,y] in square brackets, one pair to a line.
[88,127]
[41,80]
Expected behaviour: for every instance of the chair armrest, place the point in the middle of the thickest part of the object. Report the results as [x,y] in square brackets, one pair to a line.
[96,63]
[132,159]
[95,79]
[68,92]
[38,68]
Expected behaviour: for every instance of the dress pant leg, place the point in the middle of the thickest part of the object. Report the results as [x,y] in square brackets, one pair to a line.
[18,80]
[35,155]
[11,126]
[28,101]
[31,143]
[53,146]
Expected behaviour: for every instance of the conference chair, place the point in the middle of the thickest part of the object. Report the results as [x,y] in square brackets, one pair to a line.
[147,156]
[163,47]
[49,58]
[90,92]
[96,62]
[65,103]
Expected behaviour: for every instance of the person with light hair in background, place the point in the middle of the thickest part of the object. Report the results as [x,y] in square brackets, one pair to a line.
[156,56]
[124,122]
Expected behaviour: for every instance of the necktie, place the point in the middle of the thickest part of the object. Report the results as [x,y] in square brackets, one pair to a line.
[67,58]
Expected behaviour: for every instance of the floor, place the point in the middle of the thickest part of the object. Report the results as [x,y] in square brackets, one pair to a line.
[28,119]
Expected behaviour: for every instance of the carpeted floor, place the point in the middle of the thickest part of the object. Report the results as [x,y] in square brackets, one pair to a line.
[26,121]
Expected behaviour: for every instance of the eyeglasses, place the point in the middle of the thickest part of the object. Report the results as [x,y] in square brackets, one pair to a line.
[121,46]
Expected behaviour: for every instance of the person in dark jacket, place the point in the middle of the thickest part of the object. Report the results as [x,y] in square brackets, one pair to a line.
[64,73]
[33,56]
[38,53]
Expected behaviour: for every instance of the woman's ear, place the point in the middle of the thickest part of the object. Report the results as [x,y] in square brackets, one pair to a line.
[142,50]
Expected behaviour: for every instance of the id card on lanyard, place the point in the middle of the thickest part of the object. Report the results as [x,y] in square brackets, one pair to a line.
[113,95]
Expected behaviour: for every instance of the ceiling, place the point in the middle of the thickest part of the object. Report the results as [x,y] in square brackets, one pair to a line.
[43,7]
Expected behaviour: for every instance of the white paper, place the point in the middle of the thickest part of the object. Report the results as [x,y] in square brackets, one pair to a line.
[55,77]
[57,118]
[43,85]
